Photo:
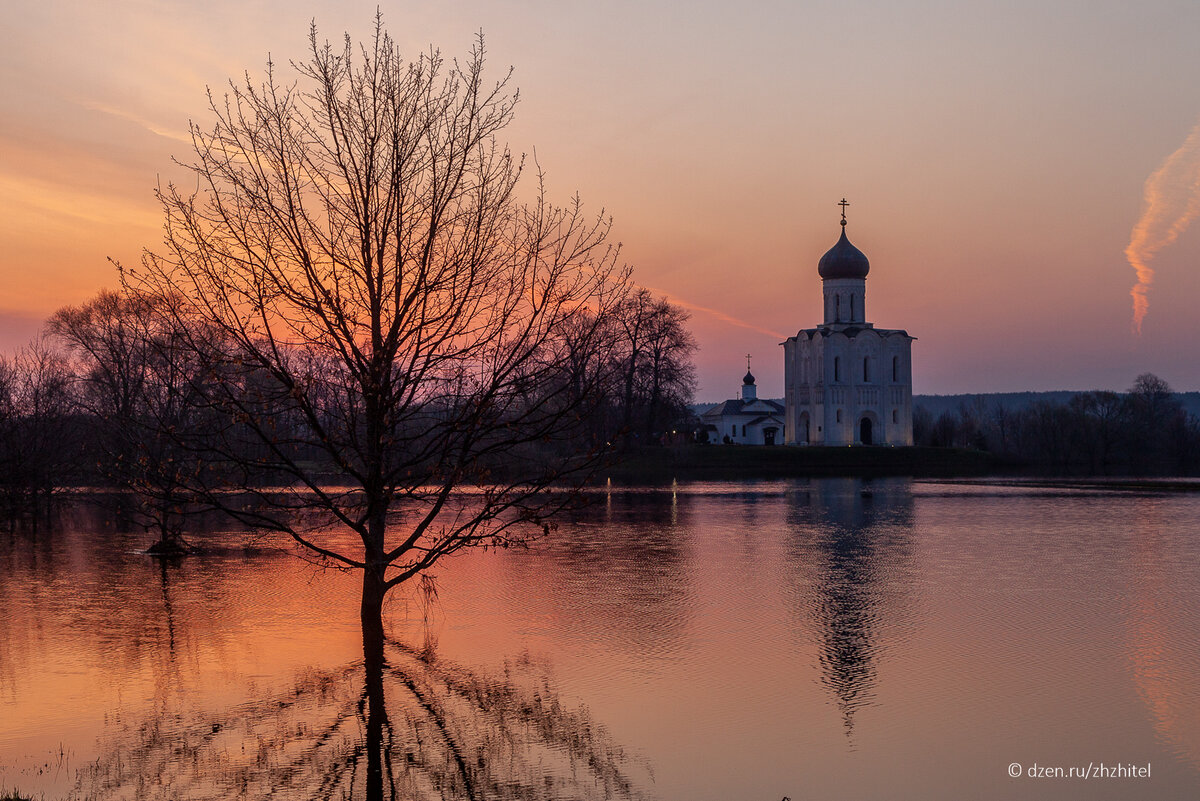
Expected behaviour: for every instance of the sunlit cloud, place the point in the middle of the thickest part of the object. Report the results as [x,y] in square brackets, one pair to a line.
[1171,202]
[718,315]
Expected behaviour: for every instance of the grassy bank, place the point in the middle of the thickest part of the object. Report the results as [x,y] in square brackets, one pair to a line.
[717,462]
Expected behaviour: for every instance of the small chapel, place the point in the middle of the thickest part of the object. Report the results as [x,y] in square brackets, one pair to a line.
[749,420]
[847,382]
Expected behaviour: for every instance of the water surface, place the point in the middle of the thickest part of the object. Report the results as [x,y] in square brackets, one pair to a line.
[820,640]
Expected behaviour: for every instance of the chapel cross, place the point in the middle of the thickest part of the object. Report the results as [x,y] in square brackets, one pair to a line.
[843,204]
[747,362]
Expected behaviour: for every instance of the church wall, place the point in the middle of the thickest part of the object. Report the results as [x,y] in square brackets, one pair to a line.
[790,385]
[804,364]
[838,394]
[740,429]
[882,394]
[899,386]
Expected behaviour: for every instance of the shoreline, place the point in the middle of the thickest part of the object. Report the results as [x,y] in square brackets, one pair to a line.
[733,462]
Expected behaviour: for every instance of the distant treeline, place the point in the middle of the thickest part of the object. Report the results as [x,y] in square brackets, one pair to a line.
[1016,401]
[1149,430]
[116,394]
[1146,431]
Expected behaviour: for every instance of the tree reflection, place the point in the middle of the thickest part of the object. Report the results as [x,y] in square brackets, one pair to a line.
[394,726]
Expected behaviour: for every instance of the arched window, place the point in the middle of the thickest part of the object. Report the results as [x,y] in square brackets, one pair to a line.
[895,368]
[839,415]
[837,368]
[851,308]
[743,430]
[895,415]
[866,368]
[837,308]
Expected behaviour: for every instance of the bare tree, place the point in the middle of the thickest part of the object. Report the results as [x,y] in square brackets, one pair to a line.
[377,320]
[382,317]
[1155,418]
[136,387]
[633,325]
[652,352]
[671,375]
[1098,432]
[38,446]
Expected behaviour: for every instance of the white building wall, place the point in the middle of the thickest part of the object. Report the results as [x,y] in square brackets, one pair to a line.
[838,384]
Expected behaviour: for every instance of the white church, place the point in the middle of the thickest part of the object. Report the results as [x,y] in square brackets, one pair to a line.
[847,382]
[750,420]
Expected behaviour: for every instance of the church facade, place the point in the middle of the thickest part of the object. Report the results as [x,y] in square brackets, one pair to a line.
[847,382]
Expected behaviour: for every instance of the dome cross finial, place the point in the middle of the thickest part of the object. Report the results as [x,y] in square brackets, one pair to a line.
[843,204]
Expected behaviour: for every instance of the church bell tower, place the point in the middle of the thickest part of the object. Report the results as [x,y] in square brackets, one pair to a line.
[847,381]
[843,270]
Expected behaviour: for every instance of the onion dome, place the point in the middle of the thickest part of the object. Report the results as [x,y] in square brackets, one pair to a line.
[748,380]
[843,260]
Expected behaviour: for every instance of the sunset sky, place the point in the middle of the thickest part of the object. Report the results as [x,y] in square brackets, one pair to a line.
[995,156]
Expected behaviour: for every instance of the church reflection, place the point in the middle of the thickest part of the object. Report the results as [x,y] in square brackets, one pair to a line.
[850,553]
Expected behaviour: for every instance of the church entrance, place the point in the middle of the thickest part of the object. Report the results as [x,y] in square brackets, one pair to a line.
[864,431]
[768,436]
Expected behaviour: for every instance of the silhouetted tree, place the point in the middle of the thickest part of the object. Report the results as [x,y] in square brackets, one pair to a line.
[922,426]
[1152,411]
[1145,431]
[137,389]
[1097,428]
[945,431]
[371,290]
[652,350]
[38,439]
[671,375]
[355,279]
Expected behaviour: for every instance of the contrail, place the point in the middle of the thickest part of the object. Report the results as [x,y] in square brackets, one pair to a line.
[720,315]
[1171,202]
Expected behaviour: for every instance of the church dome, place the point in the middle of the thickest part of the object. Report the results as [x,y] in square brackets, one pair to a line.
[748,380]
[843,260]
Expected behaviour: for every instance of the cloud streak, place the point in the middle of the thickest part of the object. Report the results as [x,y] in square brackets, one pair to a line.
[719,315]
[142,122]
[1171,200]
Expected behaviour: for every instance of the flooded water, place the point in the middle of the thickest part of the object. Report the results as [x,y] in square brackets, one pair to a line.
[817,640]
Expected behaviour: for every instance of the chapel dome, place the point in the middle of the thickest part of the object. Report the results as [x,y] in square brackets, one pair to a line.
[843,260]
[748,379]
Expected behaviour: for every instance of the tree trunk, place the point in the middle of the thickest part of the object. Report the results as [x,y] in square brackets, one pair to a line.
[373,664]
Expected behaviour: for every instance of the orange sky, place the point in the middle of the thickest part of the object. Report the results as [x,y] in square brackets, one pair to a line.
[994,155]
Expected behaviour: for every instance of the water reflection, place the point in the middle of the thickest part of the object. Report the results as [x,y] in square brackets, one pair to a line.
[627,553]
[751,640]
[445,732]
[1162,647]
[850,552]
